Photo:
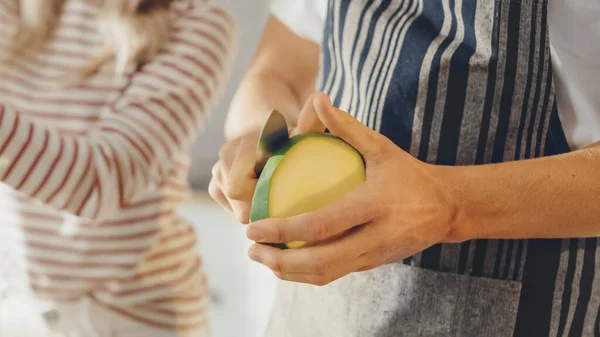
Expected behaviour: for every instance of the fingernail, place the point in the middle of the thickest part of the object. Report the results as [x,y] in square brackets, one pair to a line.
[255,234]
[254,255]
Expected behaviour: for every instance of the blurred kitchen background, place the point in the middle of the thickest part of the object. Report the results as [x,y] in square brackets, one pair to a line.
[251,16]
[242,290]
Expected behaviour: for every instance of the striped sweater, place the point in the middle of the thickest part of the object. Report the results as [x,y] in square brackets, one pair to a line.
[91,175]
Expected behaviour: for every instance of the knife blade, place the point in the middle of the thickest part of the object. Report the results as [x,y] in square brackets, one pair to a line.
[273,137]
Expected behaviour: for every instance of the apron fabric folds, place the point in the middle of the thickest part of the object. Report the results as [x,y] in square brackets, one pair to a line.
[453,82]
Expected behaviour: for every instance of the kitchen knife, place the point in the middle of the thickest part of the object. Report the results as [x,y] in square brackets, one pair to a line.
[274,136]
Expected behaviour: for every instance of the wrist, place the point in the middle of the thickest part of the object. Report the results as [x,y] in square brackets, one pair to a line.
[454,182]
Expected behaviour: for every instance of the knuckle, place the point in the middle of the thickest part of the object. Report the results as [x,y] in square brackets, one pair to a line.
[241,212]
[280,234]
[321,280]
[233,191]
[320,231]
[277,266]
[213,189]
[278,275]
[321,265]
[283,276]
[380,246]
[365,262]
[381,256]
[240,217]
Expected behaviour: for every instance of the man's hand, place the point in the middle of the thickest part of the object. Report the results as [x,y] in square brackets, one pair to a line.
[401,209]
[234,180]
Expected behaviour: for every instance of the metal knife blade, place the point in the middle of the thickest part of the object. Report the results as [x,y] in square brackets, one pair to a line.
[273,136]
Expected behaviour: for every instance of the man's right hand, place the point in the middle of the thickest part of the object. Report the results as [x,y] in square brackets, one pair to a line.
[233,178]
[282,76]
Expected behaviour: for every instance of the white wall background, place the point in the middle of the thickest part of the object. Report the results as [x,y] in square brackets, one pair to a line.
[251,16]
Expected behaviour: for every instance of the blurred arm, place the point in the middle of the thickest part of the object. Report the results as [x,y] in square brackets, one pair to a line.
[282,76]
[134,145]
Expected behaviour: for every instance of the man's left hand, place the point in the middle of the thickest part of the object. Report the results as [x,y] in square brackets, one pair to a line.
[402,208]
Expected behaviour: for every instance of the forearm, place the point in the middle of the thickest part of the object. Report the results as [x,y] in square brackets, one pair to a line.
[259,93]
[282,76]
[550,197]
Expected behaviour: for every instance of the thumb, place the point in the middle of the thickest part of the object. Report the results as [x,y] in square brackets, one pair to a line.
[308,120]
[343,125]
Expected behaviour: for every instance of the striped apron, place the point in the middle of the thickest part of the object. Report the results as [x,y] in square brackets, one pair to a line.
[453,82]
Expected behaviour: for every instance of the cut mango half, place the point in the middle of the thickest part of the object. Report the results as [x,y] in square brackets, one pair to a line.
[312,171]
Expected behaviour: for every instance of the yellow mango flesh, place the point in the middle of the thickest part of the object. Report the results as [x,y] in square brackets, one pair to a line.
[314,173]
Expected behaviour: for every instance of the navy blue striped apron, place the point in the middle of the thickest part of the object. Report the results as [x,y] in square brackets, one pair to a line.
[453,82]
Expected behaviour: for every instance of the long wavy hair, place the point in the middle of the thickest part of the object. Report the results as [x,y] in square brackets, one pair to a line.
[133,30]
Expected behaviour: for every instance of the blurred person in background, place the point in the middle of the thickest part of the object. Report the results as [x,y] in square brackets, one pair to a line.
[478,122]
[99,102]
